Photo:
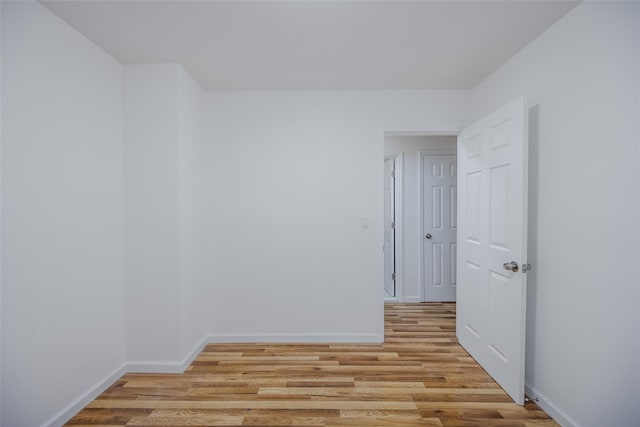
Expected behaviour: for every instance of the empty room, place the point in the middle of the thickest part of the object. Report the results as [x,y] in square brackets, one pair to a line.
[322,213]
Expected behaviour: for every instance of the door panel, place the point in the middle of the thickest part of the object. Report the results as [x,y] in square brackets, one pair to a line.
[389,228]
[439,222]
[491,303]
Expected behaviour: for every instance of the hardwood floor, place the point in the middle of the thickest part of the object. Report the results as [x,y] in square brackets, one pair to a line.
[420,376]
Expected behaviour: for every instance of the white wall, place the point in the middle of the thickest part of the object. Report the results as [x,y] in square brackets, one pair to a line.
[152,228]
[292,174]
[244,220]
[1,317]
[582,81]
[410,147]
[196,275]
[62,235]
[164,267]
[256,220]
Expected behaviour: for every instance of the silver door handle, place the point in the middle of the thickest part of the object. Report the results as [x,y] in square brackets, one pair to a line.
[428,236]
[511,266]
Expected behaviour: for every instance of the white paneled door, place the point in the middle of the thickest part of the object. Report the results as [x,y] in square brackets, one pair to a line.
[439,216]
[389,227]
[492,244]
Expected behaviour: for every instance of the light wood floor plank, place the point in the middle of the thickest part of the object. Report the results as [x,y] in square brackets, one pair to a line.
[258,404]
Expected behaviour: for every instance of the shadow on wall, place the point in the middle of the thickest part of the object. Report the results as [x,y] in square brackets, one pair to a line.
[532,241]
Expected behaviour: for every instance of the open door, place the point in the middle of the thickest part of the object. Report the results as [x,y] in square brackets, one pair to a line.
[492,244]
[389,227]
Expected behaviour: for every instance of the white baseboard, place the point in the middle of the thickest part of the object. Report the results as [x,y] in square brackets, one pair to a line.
[195,351]
[178,367]
[412,299]
[159,367]
[550,408]
[77,405]
[296,338]
[168,367]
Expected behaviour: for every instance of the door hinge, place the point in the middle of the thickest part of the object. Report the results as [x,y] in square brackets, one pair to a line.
[393,276]
[393,174]
[393,225]
[526,267]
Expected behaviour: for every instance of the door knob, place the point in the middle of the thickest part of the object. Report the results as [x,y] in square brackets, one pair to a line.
[428,236]
[511,266]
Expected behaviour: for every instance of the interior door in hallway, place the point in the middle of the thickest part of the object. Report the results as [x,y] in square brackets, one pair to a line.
[492,249]
[389,227]
[439,216]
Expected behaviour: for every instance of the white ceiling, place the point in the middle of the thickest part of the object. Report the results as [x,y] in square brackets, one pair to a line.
[246,45]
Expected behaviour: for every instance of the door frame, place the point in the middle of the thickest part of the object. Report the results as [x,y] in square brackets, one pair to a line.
[428,152]
[384,132]
[398,229]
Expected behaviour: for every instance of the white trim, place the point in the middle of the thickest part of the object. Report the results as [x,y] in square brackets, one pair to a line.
[399,226]
[412,299]
[296,338]
[195,351]
[154,367]
[69,411]
[423,295]
[454,132]
[174,367]
[167,367]
[550,408]
[423,153]
[435,151]
[378,189]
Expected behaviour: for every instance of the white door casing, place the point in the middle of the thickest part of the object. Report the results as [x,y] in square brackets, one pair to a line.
[492,231]
[389,227]
[439,216]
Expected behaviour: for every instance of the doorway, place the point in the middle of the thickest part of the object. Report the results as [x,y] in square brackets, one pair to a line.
[411,206]
[492,225]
